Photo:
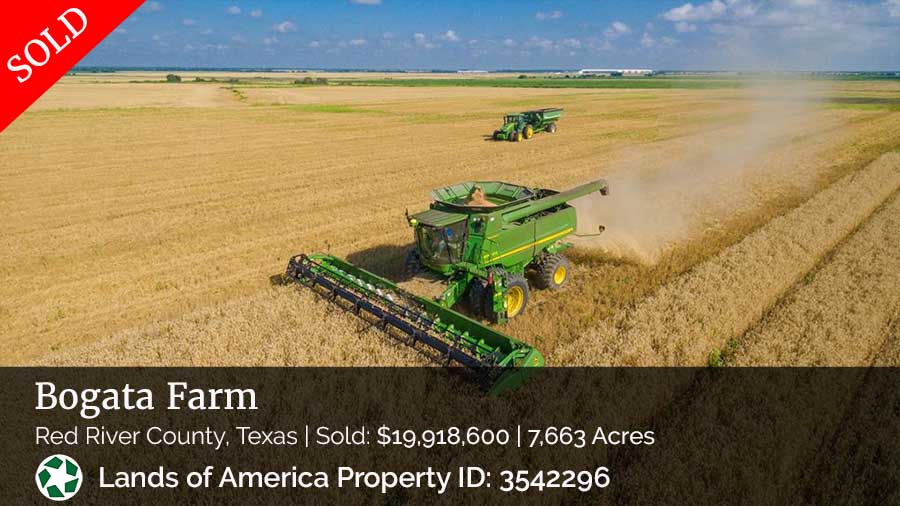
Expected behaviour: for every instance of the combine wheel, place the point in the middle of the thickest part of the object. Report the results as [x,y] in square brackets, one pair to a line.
[552,128]
[529,131]
[478,299]
[516,295]
[412,266]
[553,272]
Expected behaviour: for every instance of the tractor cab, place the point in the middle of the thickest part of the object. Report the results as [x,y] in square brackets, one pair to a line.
[440,238]
[512,119]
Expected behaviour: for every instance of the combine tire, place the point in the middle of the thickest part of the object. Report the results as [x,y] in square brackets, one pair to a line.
[553,272]
[412,266]
[552,128]
[516,295]
[529,132]
[477,298]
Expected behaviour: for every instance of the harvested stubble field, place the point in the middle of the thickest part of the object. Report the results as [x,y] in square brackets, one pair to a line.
[143,220]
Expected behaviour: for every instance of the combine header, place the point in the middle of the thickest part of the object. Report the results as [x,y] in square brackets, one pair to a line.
[452,337]
[481,238]
[520,126]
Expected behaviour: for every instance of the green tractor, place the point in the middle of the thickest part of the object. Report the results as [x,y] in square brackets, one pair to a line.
[484,240]
[521,126]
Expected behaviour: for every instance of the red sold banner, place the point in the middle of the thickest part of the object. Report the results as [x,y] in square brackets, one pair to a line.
[42,40]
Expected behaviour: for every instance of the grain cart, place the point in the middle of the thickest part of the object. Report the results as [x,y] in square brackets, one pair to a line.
[482,253]
[524,125]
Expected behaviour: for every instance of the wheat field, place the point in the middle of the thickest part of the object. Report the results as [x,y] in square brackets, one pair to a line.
[144,220]
[841,313]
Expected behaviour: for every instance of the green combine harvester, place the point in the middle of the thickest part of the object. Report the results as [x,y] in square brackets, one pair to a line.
[481,239]
[520,126]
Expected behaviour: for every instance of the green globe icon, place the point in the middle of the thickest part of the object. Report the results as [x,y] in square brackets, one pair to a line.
[58,477]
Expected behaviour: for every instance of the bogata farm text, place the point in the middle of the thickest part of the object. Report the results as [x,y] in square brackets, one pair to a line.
[91,402]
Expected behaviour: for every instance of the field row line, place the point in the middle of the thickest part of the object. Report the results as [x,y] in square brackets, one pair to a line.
[840,312]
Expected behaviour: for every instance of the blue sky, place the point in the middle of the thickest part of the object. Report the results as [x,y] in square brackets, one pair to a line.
[716,34]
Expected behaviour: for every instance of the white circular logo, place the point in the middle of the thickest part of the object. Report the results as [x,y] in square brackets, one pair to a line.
[58,477]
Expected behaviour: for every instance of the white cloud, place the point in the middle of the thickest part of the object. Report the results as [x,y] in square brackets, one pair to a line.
[205,47]
[256,13]
[357,42]
[239,39]
[366,2]
[387,35]
[188,22]
[648,41]
[421,40]
[154,7]
[270,41]
[450,36]
[893,7]
[120,31]
[544,16]
[700,12]
[314,44]
[285,27]
[509,43]
[616,29]
[234,10]
[572,43]
[762,34]
[540,42]
[206,31]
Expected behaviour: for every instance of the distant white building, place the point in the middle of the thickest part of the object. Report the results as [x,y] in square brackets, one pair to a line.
[616,72]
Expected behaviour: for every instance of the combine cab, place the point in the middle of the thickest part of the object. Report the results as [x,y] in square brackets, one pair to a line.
[523,125]
[481,239]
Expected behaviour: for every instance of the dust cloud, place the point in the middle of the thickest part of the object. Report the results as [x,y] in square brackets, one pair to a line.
[665,193]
